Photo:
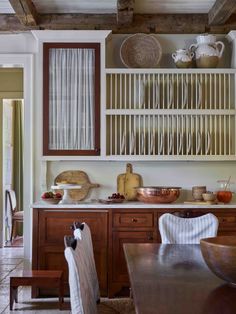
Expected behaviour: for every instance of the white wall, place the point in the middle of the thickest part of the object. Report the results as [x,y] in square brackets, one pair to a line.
[184,174]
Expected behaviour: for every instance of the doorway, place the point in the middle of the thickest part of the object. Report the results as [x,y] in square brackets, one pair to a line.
[24,61]
[11,94]
[12,178]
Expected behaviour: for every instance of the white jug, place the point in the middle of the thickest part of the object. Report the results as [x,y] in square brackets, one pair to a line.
[183,58]
[208,51]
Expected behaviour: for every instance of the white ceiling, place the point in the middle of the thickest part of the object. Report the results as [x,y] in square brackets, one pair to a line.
[173,6]
[109,6]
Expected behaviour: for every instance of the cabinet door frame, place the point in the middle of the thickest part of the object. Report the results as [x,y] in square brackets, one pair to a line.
[69,152]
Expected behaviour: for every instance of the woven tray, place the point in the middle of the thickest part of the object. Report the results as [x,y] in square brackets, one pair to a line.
[140,51]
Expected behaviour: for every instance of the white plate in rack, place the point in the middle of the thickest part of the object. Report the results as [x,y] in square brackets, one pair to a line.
[152,144]
[139,94]
[185,100]
[208,140]
[122,145]
[142,143]
[170,93]
[160,143]
[132,143]
[199,144]
[199,94]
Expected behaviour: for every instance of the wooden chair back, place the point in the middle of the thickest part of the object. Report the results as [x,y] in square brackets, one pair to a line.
[11,198]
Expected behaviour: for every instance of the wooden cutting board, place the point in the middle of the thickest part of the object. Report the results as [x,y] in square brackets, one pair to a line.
[201,202]
[76,177]
[126,182]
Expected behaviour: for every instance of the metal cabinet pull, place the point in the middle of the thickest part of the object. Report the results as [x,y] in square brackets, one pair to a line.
[150,236]
[134,219]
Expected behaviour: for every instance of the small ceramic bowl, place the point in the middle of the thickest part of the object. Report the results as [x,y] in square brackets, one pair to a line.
[209,197]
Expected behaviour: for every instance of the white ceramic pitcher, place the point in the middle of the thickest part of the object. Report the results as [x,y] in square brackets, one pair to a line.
[183,58]
[208,51]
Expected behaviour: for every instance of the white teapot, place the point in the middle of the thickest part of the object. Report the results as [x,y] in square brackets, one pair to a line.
[183,58]
[208,51]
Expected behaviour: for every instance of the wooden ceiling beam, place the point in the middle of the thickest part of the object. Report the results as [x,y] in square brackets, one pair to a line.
[25,11]
[125,11]
[221,11]
[142,23]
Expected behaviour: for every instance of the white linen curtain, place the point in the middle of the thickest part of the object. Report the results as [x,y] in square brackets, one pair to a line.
[72,99]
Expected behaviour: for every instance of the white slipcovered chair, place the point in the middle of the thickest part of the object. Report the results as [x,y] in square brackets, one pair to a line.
[83,281]
[177,230]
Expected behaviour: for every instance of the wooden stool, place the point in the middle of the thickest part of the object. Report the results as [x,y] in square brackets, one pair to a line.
[39,278]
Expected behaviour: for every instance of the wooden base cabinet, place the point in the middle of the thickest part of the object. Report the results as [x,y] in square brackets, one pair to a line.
[141,226]
[110,228]
[127,226]
[49,229]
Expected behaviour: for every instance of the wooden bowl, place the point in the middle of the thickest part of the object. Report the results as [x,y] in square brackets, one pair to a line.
[219,254]
[51,200]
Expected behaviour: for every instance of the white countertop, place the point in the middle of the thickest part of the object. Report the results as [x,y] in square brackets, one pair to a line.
[97,205]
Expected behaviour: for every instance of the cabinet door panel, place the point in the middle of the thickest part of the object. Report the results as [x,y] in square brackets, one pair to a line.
[119,269]
[53,225]
[71,101]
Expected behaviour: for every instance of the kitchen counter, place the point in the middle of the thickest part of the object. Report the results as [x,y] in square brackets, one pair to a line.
[135,205]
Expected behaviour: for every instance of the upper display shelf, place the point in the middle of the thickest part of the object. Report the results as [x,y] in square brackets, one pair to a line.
[153,51]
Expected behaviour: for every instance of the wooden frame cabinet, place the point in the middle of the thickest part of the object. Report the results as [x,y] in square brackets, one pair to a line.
[49,229]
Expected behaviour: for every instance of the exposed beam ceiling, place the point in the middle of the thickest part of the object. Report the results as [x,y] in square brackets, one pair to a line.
[125,11]
[25,11]
[144,23]
[221,11]
[124,21]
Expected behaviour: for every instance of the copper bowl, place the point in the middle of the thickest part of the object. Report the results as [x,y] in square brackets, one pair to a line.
[158,194]
[219,254]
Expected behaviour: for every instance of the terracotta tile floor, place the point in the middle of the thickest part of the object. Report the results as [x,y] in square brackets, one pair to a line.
[11,263]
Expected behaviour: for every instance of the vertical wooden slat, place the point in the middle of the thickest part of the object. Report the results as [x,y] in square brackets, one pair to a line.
[210,104]
[225,92]
[115,91]
[125,91]
[225,151]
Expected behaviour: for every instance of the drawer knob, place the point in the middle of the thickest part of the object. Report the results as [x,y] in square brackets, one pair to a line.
[134,219]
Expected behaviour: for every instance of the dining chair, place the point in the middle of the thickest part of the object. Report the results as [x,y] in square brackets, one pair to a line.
[83,280]
[178,230]
[16,216]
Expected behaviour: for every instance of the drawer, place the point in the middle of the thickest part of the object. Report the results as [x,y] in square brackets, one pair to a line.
[132,220]
[227,221]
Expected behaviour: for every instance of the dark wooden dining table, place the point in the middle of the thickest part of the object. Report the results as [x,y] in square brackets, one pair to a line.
[174,279]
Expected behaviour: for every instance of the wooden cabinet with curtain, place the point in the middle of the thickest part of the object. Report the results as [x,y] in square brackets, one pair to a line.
[71,99]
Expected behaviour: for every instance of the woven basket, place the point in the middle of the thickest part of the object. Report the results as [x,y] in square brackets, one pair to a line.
[140,51]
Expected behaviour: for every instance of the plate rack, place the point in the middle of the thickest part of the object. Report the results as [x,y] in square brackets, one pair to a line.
[166,114]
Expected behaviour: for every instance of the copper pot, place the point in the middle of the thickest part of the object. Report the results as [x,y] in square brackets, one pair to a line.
[158,194]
